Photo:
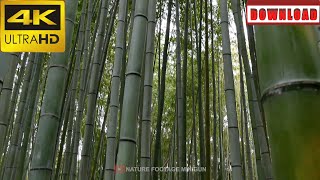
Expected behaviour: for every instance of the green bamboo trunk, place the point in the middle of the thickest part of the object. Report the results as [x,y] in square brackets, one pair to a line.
[124,59]
[288,62]
[199,67]
[194,157]
[245,124]
[63,129]
[254,107]
[5,106]
[181,123]
[114,96]
[108,35]
[184,88]
[8,64]
[161,92]
[128,131]
[22,153]
[12,103]
[173,147]
[214,103]
[244,164]
[124,64]
[74,85]
[99,150]
[220,120]
[4,64]
[15,93]
[5,60]
[230,96]
[207,96]
[42,162]
[85,163]
[88,50]
[68,145]
[33,125]
[82,90]
[147,96]
[17,127]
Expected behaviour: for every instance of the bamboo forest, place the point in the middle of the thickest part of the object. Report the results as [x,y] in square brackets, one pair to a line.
[163,89]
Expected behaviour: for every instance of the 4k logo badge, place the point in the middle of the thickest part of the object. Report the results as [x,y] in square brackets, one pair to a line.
[32,26]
